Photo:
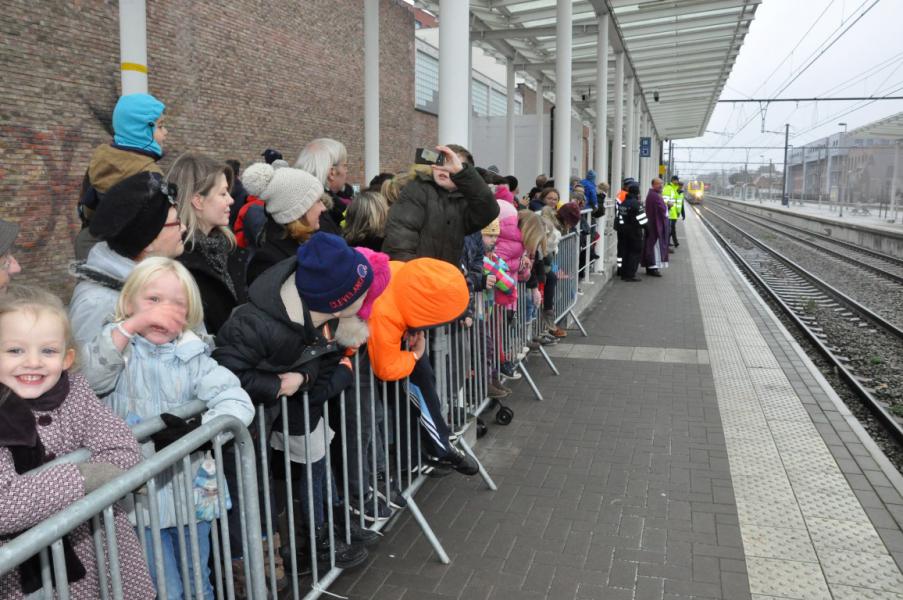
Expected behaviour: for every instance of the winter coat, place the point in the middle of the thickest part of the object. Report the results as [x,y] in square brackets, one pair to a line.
[536,204]
[145,380]
[216,297]
[275,246]
[656,229]
[429,221]
[373,242]
[240,196]
[510,248]
[331,218]
[245,237]
[81,421]
[273,333]
[422,293]
[94,299]
[472,262]
[589,189]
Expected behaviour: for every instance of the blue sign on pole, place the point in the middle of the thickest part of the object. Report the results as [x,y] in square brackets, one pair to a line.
[645,147]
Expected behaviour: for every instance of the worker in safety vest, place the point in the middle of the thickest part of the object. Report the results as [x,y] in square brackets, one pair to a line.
[675,211]
[669,195]
[619,221]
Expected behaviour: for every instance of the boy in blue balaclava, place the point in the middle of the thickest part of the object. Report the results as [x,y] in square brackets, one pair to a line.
[138,135]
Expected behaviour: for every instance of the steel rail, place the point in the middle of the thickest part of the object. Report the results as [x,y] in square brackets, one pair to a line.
[827,238]
[891,424]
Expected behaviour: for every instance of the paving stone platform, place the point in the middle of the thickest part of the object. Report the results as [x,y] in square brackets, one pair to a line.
[686,450]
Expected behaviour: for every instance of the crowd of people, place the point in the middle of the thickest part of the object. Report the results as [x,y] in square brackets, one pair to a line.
[268,287]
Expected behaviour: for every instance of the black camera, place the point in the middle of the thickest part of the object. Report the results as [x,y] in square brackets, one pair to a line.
[425,156]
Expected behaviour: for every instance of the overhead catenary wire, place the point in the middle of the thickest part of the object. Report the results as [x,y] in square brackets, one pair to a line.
[820,52]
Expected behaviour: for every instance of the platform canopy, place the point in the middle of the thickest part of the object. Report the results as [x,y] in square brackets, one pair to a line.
[682,49]
[890,128]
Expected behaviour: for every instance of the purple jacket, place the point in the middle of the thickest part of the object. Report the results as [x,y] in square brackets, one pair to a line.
[656,228]
[81,421]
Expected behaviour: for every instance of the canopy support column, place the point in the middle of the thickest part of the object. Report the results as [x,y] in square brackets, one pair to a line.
[371,89]
[454,72]
[562,141]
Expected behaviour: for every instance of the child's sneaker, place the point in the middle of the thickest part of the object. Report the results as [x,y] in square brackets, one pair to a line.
[457,460]
[380,513]
[395,497]
[547,339]
[558,332]
[509,370]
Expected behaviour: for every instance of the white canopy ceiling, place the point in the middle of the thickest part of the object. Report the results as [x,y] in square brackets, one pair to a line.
[890,127]
[682,49]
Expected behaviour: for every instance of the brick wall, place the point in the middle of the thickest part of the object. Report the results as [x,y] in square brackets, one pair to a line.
[236,77]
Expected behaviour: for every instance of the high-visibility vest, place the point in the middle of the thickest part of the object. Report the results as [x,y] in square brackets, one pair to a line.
[677,207]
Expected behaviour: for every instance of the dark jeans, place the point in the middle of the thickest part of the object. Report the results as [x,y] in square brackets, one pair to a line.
[231,475]
[320,481]
[365,442]
[548,294]
[674,232]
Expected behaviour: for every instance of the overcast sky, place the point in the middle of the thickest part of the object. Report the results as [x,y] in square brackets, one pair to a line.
[867,60]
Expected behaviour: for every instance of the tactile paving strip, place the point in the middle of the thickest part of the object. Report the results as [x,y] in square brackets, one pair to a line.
[845,592]
[858,569]
[787,578]
[803,529]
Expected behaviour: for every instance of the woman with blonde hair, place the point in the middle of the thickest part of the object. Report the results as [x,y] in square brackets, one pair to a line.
[211,254]
[365,221]
[293,200]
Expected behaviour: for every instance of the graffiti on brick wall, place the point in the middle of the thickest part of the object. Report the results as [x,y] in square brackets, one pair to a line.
[40,175]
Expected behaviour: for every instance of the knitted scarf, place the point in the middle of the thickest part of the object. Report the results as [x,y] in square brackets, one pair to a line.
[215,250]
[19,434]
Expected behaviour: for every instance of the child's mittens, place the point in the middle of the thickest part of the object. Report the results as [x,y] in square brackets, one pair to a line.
[98,474]
[176,429]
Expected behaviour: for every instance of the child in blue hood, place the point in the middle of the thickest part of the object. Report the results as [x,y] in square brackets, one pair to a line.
[138,134]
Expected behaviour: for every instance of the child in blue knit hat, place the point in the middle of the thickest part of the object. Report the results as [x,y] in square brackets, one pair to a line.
[139,132]
[288,342]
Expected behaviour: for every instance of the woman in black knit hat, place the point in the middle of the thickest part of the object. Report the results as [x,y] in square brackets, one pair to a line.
[136,218]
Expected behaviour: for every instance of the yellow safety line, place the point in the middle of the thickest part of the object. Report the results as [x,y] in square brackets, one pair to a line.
[129,66]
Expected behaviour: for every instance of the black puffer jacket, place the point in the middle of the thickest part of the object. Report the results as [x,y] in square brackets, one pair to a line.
[216,297]
[273,333]
[275,246]
[429,221]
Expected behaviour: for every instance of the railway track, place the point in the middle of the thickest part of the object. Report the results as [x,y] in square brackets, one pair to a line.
[842,330]
[888,267]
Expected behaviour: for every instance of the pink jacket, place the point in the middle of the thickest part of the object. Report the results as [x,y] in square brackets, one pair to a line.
[81,421]
[511,248]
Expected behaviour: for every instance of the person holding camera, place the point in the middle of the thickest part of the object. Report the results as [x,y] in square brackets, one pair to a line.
[434,214]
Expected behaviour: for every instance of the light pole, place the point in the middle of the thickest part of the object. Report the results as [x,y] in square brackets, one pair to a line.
[841,190]
[758,191]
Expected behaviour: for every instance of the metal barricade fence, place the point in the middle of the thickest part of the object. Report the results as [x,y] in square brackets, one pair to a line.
[364,478]
[168,474]
[567,262]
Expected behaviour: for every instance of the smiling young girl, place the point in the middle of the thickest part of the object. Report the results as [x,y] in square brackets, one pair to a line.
[45,412]
[150,361]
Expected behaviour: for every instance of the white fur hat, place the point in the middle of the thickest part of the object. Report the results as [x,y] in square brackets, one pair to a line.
[288,193]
